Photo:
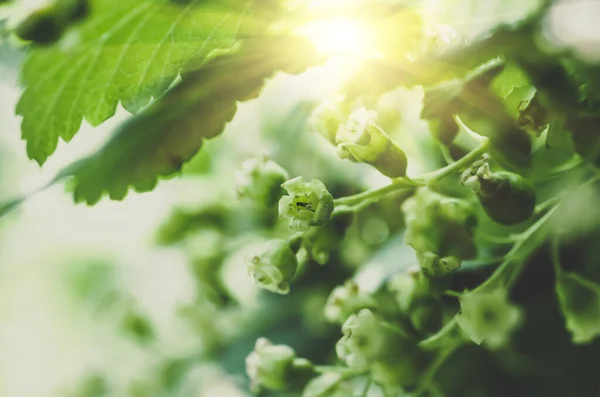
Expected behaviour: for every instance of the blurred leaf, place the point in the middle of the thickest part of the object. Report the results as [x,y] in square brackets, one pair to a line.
[138,327]
[579,300]
[172,130]
[92,283]
[559,137]
[93,386]
[474,18]
[129,51]
[182,223]
[508,80]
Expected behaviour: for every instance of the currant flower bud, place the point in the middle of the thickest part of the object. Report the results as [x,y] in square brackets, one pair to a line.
[433,265]
[327,117]
[307,203]
[367,339]
[260,179]
[360,139]
[488,317]
[276,367]
[274,266]
[506,197]
[346,300]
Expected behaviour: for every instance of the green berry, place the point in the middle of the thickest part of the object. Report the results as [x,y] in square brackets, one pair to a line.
[506,197]
[307,203]
[41,27]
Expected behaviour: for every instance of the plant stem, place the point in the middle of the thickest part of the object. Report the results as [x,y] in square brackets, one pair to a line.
[517,255]
[425,180]
[397,184]
[346,372]
[427,379]
[431,342]
[458,165]
[453,294]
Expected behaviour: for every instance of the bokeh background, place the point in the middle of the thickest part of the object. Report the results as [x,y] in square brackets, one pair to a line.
[118,300]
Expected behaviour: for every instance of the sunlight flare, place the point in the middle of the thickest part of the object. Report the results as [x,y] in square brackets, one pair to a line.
[339,36]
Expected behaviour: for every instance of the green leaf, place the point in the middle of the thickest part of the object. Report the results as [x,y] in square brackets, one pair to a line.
[508,80]
[128,51]
[170,131]
[579,300]
[380,75]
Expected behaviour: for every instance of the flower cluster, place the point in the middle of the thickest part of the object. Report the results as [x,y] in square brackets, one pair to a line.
[440,229]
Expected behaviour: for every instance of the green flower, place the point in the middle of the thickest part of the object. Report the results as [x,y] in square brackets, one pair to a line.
[274,266]
[361,140]
[307,203]
[275,367]
[367,339]
[346,300]
[260,179]
[488,317]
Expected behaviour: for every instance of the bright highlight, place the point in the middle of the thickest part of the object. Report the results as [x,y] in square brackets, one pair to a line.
[338,37]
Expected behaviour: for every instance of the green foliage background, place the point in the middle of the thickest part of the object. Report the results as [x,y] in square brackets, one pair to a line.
[149,295]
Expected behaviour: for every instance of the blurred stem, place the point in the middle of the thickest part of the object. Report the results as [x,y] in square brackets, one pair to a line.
[346,373]
[426,380]
[433,341]
[368,384]
[499,240]
[555,255]
[453,294]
